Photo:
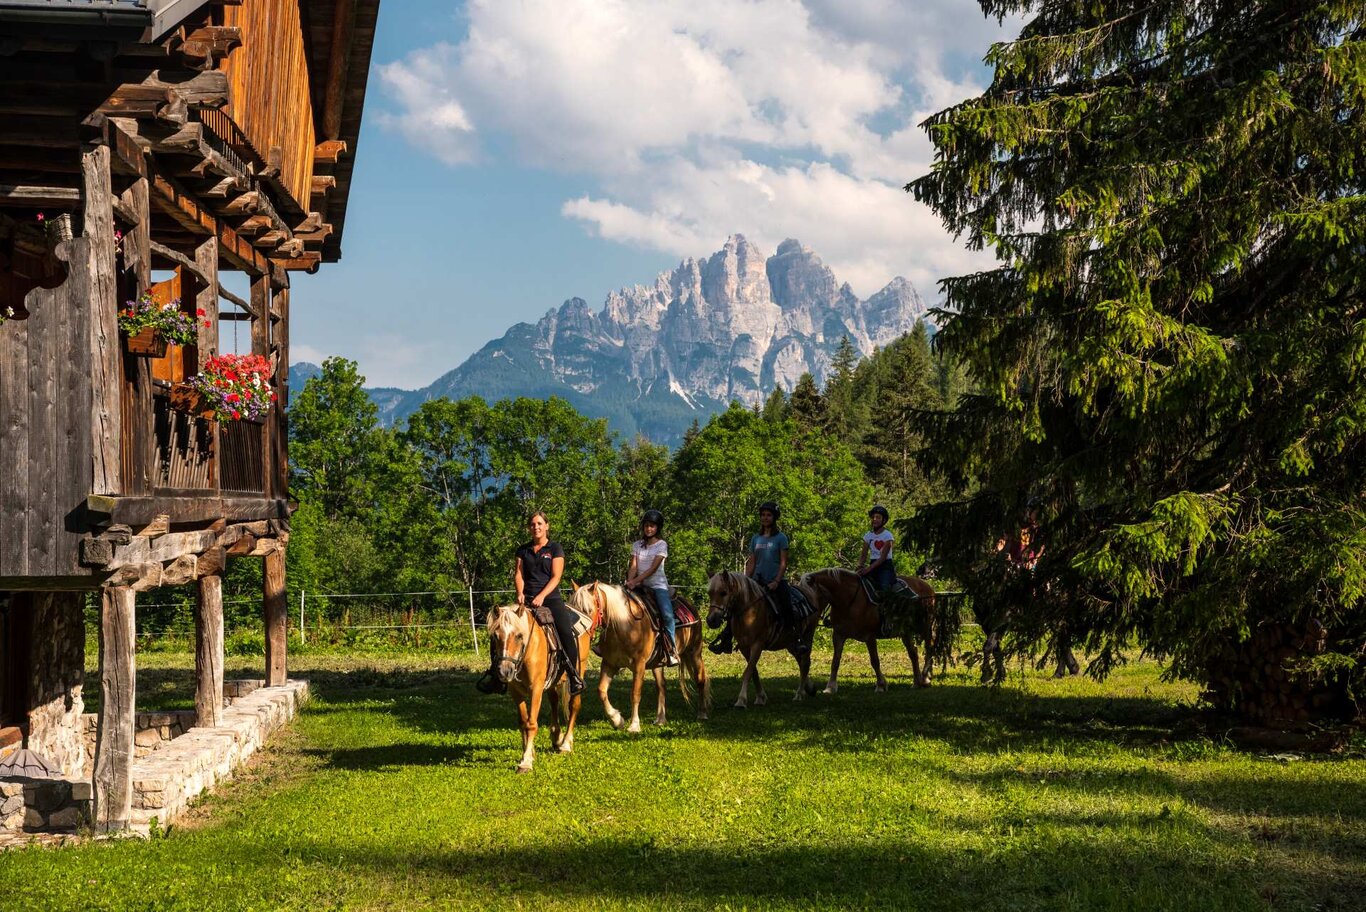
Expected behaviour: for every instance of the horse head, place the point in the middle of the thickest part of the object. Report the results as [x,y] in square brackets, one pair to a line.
[509,630]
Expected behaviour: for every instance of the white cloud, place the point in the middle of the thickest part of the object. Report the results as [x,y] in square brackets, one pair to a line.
[694,119]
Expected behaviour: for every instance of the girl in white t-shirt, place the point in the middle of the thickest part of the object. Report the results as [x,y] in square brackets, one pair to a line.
[876,561]
[647,572]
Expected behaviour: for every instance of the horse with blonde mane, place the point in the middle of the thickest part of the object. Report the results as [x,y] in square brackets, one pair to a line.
[745,603]
[629,640]
[854,616]
[525,666]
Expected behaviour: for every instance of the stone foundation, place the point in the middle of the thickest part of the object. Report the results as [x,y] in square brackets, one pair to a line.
[44,805]
[54,718]
[167,779]
[171,768]
[153,729]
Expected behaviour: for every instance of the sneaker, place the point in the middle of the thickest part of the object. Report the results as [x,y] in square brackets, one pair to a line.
[672,660]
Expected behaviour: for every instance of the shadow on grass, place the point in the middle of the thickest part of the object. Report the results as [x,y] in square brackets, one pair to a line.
[1057,873]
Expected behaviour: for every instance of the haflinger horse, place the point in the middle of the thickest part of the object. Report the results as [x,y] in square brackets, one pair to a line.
[744,602]
[628,641]
[854,617]
[525,666]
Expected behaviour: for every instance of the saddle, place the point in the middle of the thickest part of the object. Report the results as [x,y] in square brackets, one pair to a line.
[684,616]
[892,604]
[556,663]
[802,608]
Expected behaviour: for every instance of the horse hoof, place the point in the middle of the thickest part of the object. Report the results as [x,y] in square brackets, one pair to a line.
[661,722]
[565,748]
[923,682]
[881,689]
[740,706]
[701,717]
[830,689]
[523,769]
[762,701]
[634,729]
[617,721]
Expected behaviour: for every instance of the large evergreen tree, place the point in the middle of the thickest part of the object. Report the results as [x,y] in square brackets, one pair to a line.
[1171,353]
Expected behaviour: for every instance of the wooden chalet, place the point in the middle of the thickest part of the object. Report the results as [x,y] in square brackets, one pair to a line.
[141,140]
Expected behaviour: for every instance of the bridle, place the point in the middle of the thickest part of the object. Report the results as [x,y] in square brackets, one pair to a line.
[724,610]
[517,663]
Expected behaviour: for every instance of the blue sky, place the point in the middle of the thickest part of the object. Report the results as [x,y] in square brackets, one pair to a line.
[518,152]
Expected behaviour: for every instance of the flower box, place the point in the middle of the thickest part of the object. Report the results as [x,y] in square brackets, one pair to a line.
[236,387]
[185,398]
[146,343]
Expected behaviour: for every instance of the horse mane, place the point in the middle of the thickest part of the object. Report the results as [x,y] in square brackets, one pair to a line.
[617,612]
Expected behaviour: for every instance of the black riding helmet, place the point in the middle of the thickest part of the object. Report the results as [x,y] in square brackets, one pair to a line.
[655,518]
[771,507]
[880,510]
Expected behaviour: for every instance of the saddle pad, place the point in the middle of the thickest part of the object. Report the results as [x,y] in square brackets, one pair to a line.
[684,615]
[875,595]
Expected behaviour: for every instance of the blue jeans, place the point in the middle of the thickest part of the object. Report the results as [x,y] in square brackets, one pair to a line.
[666,612]
[884,577]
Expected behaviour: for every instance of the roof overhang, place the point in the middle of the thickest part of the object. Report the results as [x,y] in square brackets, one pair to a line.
[111,20]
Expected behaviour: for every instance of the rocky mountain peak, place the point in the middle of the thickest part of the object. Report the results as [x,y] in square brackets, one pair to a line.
[731,326]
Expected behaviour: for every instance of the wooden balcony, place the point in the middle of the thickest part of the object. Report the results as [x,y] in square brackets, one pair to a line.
[269,86]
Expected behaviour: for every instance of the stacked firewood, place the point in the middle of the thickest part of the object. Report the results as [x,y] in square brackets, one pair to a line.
[1267,679]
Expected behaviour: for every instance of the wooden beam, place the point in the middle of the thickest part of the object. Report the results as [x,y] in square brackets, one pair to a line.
[208,654]
[128,156]
[307,262]
[338,66]
[135,511]
[275,611]
[113,778]
[323,184]
[106,361]
[37,196]
[206,300]
[315,237]
[207,44]
[176,203]
[329,152]
[184,262]
[229,296]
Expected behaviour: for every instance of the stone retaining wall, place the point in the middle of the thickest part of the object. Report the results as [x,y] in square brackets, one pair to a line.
[170,769]
[152,729]
[44,805]
[167,779]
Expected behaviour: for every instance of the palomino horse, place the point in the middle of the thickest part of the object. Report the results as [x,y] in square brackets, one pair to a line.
[628,641]
[524,663]
[742,600]
[854,617]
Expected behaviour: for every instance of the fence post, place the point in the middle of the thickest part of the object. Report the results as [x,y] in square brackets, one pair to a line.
[301,617]
[474,633]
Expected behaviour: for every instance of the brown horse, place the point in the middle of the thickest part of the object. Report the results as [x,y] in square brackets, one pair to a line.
[854,617]
[628,641]
[740,599]
[524,664]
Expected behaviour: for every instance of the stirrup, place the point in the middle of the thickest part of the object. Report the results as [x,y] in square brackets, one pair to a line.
[576,685]
[488,683]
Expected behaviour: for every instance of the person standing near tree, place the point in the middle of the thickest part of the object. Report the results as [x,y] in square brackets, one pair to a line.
[647,572]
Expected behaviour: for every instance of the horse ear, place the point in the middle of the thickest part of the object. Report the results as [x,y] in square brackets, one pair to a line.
[593,587]
[575,584]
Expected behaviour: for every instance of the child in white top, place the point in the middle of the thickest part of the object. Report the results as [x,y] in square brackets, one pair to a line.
[877,547]
[647,571]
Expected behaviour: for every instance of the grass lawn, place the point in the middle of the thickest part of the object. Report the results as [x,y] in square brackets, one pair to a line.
[395,790]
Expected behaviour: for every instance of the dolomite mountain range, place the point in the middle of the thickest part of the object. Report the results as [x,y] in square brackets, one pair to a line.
[729,327]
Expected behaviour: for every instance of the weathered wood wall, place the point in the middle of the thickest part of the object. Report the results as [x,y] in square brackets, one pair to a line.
[46,462]
[268,80]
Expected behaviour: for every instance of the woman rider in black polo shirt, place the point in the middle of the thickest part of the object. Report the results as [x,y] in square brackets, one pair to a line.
[540,564]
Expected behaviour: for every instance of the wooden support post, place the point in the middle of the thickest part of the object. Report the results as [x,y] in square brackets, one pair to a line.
[206,299]
[113,780]
[276,612]
[106,362]
[208,653]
